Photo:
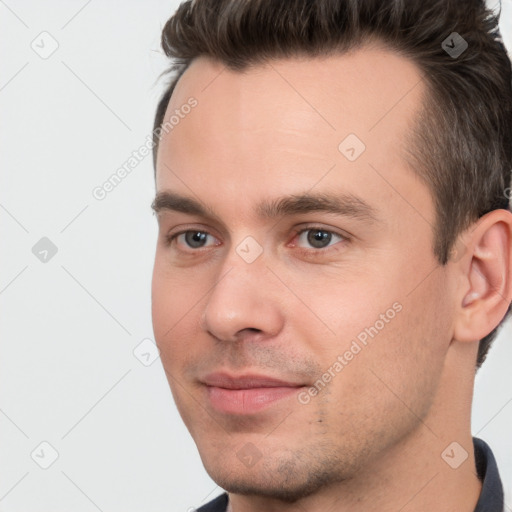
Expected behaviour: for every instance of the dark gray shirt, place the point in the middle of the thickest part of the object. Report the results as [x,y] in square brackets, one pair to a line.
[491,498]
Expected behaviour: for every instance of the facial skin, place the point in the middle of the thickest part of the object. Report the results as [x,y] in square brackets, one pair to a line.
[372,438]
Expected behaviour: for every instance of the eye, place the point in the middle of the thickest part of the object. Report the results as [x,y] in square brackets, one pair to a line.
[319,238]
[192,239]
[314,236]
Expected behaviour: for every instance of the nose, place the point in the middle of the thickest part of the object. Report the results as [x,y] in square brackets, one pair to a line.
[243,302]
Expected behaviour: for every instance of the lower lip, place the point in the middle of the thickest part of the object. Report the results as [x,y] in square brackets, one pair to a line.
[247,401]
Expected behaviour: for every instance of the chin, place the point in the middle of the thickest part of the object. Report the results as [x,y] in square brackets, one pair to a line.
[282,480]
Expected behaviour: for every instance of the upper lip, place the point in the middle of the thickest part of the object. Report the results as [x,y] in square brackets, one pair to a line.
[246,381]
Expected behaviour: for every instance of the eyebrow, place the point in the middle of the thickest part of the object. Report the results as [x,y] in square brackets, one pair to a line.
[347,205]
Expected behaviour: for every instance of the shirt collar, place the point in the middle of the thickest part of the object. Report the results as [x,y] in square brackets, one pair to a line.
[491,498]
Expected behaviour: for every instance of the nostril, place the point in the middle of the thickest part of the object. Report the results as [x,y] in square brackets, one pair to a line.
[242,333]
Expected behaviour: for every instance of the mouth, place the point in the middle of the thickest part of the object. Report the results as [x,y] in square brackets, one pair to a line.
[248,393]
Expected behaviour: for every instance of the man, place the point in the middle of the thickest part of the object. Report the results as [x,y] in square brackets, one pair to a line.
[334,253]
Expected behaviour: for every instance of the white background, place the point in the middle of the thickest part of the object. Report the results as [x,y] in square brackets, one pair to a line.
[68,375]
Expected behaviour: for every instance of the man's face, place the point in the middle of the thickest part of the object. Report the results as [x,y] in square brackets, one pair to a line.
[344,307]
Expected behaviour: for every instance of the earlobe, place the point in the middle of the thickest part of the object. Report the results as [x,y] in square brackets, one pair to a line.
[486,289]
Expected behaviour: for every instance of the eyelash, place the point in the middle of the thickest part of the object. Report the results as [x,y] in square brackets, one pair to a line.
[320,251]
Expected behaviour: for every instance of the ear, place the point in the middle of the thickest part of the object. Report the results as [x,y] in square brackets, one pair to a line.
[485,290]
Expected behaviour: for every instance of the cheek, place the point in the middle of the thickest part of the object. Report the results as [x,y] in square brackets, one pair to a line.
[403,363]
[175,291]
[387,337]
[174,303]
[343,305]
[389,382]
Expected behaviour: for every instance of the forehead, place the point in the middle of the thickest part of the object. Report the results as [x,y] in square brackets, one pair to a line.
[356,88]
[282,125]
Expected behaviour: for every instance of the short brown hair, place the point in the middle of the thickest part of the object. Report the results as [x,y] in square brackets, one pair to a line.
[462,144]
